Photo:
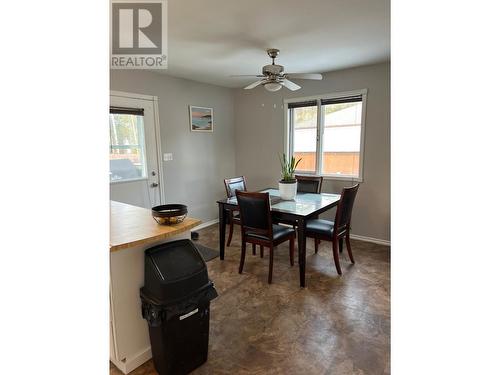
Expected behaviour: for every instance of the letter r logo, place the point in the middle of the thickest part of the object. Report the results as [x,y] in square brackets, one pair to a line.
[137,28]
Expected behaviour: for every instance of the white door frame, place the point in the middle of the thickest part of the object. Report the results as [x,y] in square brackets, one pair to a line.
[154,99]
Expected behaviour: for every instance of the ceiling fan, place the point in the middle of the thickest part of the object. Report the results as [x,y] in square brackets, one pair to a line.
[273,76]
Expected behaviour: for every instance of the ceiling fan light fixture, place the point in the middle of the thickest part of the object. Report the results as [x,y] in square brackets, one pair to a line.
[272,86]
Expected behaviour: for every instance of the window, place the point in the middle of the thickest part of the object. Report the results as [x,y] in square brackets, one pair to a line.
[327,133]
[305,130]
[127,159]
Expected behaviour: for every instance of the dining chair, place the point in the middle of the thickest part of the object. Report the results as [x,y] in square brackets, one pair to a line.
[257,227]
[309,184]
[233,184]
[337,230]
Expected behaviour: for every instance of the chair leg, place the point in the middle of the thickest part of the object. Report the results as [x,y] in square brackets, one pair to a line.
[242,259]
[341,245]
[316,244]
[336,255]
[348,245]
[292,250]
[253,249]
[261,251]
[270,276]
[230,237]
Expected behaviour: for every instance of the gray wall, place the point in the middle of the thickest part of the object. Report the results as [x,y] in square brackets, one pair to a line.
[249,134]
[259,120]
[201,160]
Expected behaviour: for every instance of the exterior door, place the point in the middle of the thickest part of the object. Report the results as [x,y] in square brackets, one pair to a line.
[134,173]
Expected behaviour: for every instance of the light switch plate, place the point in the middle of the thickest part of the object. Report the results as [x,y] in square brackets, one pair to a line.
[168,156]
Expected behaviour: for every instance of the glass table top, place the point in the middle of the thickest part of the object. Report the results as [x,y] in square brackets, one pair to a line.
[303,205]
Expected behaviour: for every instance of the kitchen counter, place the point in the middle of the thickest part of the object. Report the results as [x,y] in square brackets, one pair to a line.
[132,231]
[131,226]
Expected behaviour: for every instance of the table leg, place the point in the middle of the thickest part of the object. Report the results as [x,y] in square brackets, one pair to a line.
[302,250]
[222,230]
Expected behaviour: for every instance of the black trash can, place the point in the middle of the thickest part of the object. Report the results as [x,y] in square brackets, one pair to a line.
[176,303]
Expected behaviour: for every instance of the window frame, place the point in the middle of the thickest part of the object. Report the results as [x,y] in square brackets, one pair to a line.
[288,140]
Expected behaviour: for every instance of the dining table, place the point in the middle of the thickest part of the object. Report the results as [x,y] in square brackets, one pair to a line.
[304,207]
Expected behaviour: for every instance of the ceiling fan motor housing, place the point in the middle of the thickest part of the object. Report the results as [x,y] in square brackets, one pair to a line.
[272,69]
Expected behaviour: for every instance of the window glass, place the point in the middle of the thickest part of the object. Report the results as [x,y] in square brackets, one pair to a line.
[305,130]
[341,138]
[126,147]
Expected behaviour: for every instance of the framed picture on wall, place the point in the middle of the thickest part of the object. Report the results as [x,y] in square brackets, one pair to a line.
[201,119]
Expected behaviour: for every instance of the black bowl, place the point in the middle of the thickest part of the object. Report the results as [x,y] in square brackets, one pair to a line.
[169,213]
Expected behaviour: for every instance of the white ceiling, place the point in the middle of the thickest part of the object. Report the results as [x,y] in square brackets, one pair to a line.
[208,40]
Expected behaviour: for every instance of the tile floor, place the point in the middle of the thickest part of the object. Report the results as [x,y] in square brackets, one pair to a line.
[336,325]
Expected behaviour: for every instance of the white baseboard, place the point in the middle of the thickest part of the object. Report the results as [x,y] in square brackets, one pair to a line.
[133,363]
[370,239]
[205,224]
[353,236]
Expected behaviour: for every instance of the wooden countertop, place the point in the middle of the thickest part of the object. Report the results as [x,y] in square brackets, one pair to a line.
[131,226]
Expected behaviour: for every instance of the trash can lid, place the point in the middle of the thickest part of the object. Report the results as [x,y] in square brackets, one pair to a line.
[173,270]
[176,260]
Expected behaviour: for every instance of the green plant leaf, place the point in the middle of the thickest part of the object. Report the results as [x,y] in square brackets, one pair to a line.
[288,166]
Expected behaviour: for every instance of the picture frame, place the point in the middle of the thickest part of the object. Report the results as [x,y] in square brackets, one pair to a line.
[201,119]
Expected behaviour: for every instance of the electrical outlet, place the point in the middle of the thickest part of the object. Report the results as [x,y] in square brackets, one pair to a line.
[168,156]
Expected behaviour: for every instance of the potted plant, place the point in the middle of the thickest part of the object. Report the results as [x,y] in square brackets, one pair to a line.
[288,183]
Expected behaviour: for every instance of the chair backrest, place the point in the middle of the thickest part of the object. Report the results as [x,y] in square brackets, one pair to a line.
[309,184]
[344,208]
[233,184]
[255,213]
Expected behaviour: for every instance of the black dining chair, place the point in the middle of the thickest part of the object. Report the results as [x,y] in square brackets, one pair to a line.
[306,184]
[309,184]
[337,230]
[257,227]
[233,184]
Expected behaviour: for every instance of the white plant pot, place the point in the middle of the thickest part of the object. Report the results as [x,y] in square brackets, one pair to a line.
[288,191]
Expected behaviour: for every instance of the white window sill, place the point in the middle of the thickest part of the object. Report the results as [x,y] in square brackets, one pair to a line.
[342,178]
[331,176]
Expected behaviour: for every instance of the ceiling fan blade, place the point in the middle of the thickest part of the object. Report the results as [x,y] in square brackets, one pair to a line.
[290,85]
[247,75]
[253,85]
[316,76]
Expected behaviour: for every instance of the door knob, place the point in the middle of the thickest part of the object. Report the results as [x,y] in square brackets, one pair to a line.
[154,184]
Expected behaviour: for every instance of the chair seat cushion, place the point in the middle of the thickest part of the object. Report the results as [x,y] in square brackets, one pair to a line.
[280,232]
[319,226]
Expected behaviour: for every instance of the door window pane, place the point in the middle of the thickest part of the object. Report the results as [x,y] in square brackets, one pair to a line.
[342,138]
[126,147]
[305,129]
